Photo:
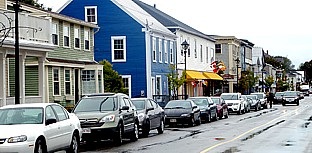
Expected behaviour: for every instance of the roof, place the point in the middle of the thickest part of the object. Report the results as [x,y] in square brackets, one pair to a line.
[27,105]
[169,21]
[142,17]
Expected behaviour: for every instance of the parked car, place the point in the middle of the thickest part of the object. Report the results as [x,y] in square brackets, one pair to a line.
[208,110]
[301,95]
[263,99]
[255,102]
[40,127]
[182,112]
[290,97]
[107,116]
[221,106]
[278,97]
[150,114]
[247,103]
[234,101]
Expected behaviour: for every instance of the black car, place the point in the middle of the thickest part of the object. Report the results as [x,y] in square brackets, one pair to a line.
[151,115]
[255,102]
[278,97]
[182,112]
[290,97]
[208,109]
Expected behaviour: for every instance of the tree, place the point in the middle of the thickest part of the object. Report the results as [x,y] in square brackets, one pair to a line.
[247,80]
[307,68]
[269,81]
[112,80]
[174,81]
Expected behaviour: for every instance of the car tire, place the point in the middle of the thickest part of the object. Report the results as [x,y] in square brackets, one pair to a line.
[40,146]
[73,148]
[191,123]
[135,133]
[146,129]
[198,122]
[161,127]
[118,135]
[297,103]
[208,119]
[283,103]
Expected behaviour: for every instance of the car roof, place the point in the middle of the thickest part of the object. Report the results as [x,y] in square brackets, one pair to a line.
[140,98]
[27,105]
[104,94]
[230,93]
[199,97]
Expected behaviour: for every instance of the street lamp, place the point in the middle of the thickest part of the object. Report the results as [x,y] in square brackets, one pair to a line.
[262,70]
[237,65]
[185,46]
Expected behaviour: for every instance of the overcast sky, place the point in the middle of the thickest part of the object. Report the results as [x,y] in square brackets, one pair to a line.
[283,27]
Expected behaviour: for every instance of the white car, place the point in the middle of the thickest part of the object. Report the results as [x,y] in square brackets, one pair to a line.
[38,128]
[234,101]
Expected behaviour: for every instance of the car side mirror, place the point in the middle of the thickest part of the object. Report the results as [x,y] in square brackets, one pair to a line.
[124,108]
[194,107]
[50,121]
[149,109]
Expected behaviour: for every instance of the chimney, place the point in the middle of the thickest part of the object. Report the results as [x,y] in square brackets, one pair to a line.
[3,4]
[154,5]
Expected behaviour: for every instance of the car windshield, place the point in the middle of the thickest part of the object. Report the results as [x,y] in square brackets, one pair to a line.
[200,101]
[216,100]
[230,97]
[27,115]
[178,104]
[251,97]
[290,94]
[279,94]
[260,96]
[97,104]
[139,104]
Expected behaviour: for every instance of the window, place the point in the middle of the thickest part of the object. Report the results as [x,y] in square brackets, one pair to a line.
[158,85]
[166,51]
[55,34]
[212,53]
[91,14]
[154,49]
[201,53]
[56,81]
[50,113]
[88,81]
[66,35]
[218,48]
[77,37]
[60,113]
[207,55]
[160,50]
[118,48]
[87,39]
[189,49]
[127,83]
[171,52]
[88,75]
[195,48]
[67,78]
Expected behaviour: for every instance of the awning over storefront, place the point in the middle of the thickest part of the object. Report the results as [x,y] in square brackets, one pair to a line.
[212,76]
[195,75]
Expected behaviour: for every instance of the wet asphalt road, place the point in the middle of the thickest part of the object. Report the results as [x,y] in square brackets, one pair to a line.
[282,129]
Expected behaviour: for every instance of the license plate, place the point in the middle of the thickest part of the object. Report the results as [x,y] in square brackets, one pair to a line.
[86,130]
[173,120]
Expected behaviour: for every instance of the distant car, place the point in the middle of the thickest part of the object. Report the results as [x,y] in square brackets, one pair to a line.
[182,112]
[255,102]
[247,103]
[301,95]
[263,99]
[208,110]
[151,115]
[40,127]
[222,107]
[290,97]
[107,116]
[278,98]
[234,101]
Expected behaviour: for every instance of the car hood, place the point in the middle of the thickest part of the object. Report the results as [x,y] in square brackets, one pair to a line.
[203,107]
[232,101]
[98,115]
[8,131]
[177,112]
[289,97]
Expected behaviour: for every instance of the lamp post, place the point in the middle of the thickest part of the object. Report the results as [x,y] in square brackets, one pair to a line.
[185,46]
[17,81]
[262,79]
[237,66]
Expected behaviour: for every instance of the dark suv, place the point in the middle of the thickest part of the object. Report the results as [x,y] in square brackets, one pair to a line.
[107,116]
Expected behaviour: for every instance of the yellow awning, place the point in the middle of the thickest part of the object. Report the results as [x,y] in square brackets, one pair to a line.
[212,76]
[195,75]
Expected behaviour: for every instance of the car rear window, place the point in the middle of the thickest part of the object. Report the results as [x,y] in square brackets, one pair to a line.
[97,104]
[139,104]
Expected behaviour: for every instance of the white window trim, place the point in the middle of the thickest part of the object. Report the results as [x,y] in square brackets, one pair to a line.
[84,40]
[66,25]
[54,81]
[79,37]
[160,49]
[201,54]
[95,13]
[160,88]
[166,51]
[154,50]
[212,52]
[171,53]
[153,82]
[70,81]
[207,54]
[129,83]
[125,48]
[57,33]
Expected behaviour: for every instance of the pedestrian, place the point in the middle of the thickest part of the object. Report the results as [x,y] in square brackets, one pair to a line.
[271,98]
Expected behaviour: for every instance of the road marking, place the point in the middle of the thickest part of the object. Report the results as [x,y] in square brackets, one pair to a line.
[222,143]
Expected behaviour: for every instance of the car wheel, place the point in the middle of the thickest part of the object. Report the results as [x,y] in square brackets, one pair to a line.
[118,136]
[146,129]
[283,103]
[208,119]
[191,123]
[256,108]
[135,133]
[73,145]
[198,122]
[40,146]
[161,127]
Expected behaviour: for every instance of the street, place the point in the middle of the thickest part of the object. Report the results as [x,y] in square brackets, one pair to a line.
[281,129]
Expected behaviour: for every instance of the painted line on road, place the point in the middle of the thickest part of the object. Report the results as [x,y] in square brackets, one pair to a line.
[241,135]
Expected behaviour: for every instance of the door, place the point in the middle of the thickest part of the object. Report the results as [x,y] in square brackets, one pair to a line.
[128,115]
[52,131]
[157,114]
[76,83]
[151,113]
